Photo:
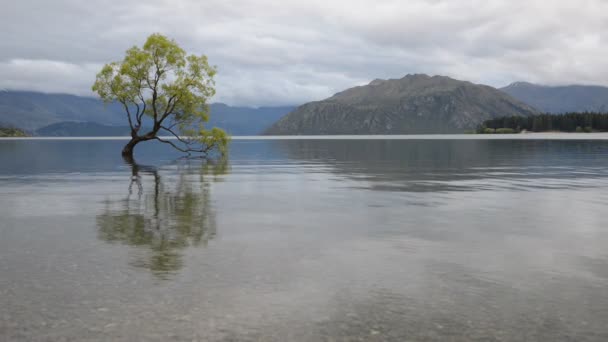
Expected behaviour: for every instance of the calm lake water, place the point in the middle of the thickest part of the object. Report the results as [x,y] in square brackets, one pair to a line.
[305,240]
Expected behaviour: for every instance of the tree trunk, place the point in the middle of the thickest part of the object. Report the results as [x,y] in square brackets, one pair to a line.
[127,151]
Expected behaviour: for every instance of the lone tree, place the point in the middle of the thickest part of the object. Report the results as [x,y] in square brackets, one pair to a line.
[164,93]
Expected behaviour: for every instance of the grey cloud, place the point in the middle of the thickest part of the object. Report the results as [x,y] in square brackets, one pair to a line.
[47,76]
[287,52]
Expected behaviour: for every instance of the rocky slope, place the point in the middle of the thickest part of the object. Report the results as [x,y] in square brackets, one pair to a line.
[412,104]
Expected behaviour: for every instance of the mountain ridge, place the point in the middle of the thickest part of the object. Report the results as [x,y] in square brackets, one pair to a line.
[560,99]
[33,111]
[415,103]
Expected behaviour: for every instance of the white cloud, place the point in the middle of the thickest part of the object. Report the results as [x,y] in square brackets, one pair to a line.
[47,76]
[277,52]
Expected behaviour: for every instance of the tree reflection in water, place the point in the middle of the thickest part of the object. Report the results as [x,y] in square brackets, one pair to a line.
[163,214]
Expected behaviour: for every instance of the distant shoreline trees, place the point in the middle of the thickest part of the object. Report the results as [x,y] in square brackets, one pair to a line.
[568,122]
[11,132]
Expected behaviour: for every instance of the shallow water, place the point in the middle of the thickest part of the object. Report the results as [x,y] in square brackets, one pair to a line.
[306,240]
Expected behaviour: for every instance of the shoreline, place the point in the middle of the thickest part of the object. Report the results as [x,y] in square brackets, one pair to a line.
[463,136]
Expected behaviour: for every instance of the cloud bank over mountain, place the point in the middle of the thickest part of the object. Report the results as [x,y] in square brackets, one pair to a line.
[285,52]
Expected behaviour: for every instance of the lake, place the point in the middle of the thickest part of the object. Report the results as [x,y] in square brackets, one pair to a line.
[429,238]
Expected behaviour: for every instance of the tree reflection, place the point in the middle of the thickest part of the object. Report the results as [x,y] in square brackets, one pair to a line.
[163,214]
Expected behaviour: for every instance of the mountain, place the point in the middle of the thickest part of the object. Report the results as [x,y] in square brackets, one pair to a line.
[82,129]
[235,120]
[412,104]
[560,99]
[71,115]
[32,110]
[245,120]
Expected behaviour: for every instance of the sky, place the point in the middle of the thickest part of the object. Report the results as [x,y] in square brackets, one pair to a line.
[282,52]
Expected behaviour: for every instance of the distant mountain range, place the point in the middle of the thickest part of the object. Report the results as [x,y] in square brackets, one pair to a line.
[82,129]
[560,99]
[413,104]
[31,110]
[245,120]
[70,115]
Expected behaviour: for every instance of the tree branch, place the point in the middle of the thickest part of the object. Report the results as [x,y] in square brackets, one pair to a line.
[187,150]
[157,77]
[170,106]
[172,144]
[175,135]
[137,115]
[143,110]
[169,111]
[154,96]
[173,124]
[124,103]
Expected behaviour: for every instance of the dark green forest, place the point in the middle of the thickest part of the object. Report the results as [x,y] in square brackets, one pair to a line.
[569,122]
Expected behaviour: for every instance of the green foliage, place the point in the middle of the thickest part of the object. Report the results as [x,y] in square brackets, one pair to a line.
[159,82]
[485,130]
[569,122]
[215,138]
[12,132]
[505,131]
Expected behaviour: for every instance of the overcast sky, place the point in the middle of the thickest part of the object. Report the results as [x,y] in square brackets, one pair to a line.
[288,52]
